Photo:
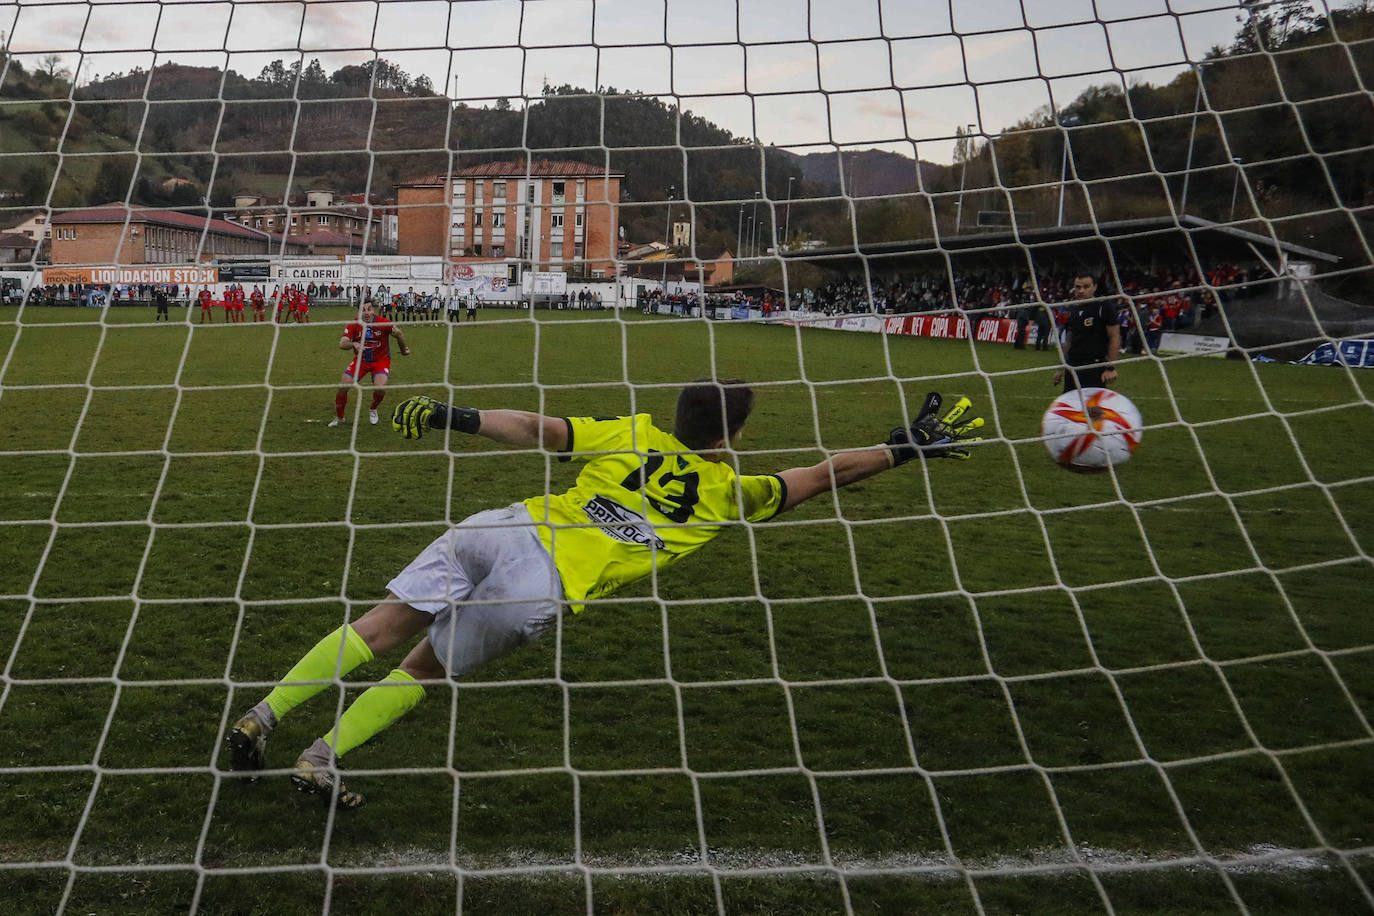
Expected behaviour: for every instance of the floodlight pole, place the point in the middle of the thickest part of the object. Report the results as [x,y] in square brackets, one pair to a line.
[739,233]
[963,174]
[1235,185]
[667,238]
[754,230]
[787,221]
[1192,136]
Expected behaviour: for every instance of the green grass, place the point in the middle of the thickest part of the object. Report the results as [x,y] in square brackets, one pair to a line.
[988,685]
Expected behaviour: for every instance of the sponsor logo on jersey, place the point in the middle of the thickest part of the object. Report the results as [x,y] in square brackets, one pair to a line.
[621,523]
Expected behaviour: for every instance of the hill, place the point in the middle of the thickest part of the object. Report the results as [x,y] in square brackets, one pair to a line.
[870,172]
[1297,122]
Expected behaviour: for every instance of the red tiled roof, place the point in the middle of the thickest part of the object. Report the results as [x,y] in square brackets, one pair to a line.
[16,240]
[518,168]
[118,212]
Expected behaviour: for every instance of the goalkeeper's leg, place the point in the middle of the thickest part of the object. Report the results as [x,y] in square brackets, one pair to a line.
[381,629]
[374,711]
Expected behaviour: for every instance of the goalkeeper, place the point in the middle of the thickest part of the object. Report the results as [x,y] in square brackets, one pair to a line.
[645,499]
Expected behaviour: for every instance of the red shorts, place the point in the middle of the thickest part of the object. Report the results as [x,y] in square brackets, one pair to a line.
[207,305]
[379,367]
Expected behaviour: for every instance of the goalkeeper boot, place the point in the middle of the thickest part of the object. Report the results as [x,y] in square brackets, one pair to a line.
[315,776]
[337,421]
[372,416]
[248,741]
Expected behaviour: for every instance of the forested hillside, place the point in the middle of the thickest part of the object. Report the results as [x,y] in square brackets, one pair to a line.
[1285,103]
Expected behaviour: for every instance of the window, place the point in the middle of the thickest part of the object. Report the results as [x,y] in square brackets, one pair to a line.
[555,249]
[529,192]
[578,251]
[498,189]
[577,219]
[257,223]
[477,250]
[322,220]
[556,221]
[293,221]
[498,220]
[559,188]
[498,251]
[477,218]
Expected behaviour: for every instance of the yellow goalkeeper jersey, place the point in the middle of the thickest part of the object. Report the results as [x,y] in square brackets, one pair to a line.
[644,500]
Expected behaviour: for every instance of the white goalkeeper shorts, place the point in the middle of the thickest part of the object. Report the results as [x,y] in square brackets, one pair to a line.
[490,584]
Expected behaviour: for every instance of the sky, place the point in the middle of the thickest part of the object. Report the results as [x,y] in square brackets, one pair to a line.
[803,74]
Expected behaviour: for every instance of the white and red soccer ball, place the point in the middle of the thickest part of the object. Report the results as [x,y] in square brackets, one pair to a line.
[1092,429]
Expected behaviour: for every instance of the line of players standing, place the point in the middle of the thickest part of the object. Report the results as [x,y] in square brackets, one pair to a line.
[422,306]
[287,306]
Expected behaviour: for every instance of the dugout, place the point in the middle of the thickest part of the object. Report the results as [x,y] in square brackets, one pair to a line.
[1279,302]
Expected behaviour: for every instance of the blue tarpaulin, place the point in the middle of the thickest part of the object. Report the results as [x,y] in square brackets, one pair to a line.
[1357,354]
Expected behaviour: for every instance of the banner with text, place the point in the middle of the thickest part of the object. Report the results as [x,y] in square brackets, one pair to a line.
[1357,354]
[997,330]
[308,271]
[149,274]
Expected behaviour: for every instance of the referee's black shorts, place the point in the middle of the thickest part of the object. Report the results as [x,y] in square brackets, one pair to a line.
[1083,377]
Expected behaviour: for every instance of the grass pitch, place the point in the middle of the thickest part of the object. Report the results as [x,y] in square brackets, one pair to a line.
[969,685]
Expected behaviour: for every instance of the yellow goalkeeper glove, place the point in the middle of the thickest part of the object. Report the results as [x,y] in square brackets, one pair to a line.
[414,417]
[932,436]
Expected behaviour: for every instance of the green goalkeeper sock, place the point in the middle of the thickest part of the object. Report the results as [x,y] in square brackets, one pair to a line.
[334,656]
[374,710]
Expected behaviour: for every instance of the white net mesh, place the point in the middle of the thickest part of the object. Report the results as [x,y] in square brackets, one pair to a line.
[968,686]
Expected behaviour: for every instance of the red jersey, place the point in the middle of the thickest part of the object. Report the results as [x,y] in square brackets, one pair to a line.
[376,338]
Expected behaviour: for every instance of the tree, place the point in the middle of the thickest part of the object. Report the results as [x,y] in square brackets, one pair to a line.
[1267,24]
[274,74]
[51,66]
[112,181]
[314,74]
[33,184]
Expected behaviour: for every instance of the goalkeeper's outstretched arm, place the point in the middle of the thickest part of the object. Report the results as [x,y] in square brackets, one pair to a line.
[419,415]
[930,435]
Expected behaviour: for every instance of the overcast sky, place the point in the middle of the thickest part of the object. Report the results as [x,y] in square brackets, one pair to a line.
[806,74]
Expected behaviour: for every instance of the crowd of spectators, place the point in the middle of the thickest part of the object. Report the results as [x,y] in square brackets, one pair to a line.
[1002,293]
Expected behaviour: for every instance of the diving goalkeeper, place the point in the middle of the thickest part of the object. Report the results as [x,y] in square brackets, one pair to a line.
[645,499]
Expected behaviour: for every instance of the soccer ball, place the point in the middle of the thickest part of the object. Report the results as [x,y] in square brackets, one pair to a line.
[1091,429]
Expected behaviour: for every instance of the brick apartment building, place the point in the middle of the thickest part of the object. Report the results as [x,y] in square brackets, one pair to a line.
[115,233]
[339,224]
[539,215]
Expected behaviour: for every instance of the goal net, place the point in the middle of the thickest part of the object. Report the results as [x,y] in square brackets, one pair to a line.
[976,686]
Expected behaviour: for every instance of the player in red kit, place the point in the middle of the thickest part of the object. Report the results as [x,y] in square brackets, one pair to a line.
[206,303]
[259,305]
[370,340]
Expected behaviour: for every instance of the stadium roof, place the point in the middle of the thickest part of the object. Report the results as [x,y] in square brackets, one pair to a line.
[1082,242]
[516,168]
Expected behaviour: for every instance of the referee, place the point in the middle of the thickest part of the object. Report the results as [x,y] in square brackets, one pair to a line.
[1094,339]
